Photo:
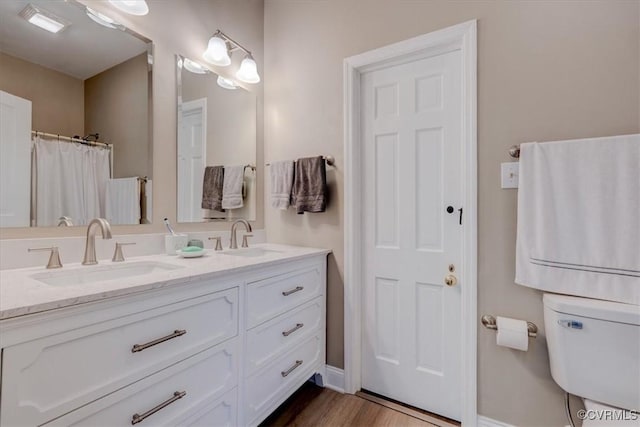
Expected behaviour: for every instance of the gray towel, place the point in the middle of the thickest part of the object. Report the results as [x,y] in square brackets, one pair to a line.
[309,192]
[212,188]
[281,181]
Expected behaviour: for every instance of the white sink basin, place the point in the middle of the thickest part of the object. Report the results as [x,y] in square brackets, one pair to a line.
[101,273]
[250,252]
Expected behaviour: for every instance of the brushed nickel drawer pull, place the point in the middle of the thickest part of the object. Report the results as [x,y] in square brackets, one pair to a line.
[293,291]
[291,369]
[175,334]
[292,330]
[137,418]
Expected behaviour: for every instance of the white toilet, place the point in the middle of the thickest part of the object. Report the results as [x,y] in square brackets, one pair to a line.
[594,350]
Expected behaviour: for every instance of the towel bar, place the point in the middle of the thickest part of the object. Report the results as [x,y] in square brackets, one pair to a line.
[331,161]
[489,322]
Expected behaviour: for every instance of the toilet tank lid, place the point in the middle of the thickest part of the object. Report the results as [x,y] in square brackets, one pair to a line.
[593,308]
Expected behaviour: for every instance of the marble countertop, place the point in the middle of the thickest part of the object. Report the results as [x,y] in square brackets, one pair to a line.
[22,294]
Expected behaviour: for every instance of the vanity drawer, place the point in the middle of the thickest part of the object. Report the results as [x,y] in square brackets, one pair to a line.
[51,376]
[221,412]
[269,340]
[273,382]
[271,297]
[169,397]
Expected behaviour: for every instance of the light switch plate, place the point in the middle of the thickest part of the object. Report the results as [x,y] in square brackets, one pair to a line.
[509,174]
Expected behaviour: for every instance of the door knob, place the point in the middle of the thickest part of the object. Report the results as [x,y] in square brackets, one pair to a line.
[450,280]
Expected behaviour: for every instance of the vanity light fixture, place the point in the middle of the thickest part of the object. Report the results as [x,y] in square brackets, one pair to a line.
[43,19]
[248,71]
[194,67]
[226,83]
[132,7]
[218,52]
[103,20]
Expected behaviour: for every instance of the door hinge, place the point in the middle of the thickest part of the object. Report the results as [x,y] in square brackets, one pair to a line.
[460,210]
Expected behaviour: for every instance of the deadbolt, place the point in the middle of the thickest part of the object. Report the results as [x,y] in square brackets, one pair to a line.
[452,268]
[450,280]
[449,209]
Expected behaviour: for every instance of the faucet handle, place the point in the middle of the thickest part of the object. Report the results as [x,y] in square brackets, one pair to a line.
[218,240]
[245,240]
[118,256]
[54,257]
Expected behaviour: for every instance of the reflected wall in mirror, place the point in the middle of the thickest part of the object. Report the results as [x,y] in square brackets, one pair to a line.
[75,131]
[216,146]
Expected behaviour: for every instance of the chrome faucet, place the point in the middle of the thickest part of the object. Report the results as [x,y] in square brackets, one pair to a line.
[234,239]
[90,245]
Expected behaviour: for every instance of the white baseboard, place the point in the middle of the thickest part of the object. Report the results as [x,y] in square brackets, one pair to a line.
[488,422]
[334,379]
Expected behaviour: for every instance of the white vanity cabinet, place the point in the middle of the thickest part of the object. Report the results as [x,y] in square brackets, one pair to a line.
[285,337]
[220,351]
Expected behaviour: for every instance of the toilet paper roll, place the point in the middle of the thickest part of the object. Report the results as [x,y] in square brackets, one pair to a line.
[512,333]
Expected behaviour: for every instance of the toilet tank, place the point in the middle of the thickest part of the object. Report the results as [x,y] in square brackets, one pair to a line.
[594,348]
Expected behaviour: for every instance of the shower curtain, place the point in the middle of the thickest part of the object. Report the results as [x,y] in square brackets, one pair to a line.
[71,181]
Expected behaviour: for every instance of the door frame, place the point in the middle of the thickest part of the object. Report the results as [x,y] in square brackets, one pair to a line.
[461,37]
[186,107]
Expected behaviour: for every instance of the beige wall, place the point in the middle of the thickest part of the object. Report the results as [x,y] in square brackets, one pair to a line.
[180,27]
[57,99]
[547,70]
[117,107]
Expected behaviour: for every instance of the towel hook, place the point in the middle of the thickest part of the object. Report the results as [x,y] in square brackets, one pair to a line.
[514,151]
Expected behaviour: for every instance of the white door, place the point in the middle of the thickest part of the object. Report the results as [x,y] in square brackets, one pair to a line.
[192,144]
[15,161]
[411,122]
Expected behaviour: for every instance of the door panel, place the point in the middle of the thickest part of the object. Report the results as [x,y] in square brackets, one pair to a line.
[15,161]
[191,160]
[412,164]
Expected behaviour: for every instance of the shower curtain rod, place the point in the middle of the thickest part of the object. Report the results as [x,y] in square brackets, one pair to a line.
[69,139]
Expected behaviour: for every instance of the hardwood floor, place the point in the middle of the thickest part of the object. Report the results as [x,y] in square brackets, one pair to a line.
[315,406]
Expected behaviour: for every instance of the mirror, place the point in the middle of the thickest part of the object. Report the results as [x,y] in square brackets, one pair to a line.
[216,146]
[75,136]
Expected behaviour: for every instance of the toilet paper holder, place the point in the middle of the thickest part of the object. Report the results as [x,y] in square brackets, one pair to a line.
[489,322]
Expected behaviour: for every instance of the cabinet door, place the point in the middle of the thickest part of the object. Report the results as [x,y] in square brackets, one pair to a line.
[172,395]
[48,377]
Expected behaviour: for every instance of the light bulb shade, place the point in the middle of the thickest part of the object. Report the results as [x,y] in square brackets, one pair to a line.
[248,71]
[217,52]
[226,83]
[132,7]
[101,19]
[194,67]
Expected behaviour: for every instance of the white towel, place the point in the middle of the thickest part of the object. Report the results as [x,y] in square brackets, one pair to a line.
[232,187]
[579,218]
[281,182]
[123,201]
